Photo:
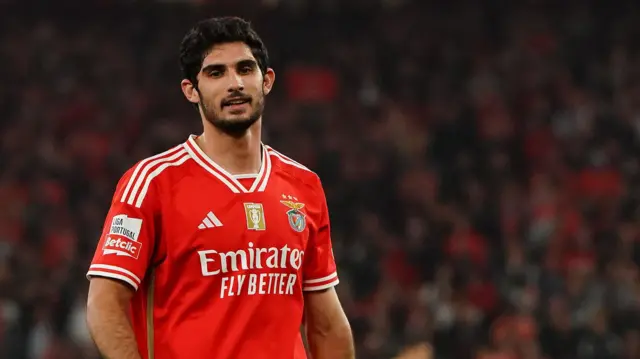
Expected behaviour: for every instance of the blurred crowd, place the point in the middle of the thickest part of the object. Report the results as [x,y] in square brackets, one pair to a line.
[480,159]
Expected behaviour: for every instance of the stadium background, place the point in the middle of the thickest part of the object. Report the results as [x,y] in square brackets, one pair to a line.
[480,160]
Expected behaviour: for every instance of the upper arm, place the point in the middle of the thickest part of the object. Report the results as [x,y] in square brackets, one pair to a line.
[101,288]
[320,270]
[323,311]
[128,238]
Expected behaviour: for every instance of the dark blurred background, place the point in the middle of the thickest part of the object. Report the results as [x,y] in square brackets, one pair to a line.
[480,160]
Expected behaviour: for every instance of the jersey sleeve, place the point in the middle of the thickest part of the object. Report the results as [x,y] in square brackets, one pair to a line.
[128,237]
[320,270]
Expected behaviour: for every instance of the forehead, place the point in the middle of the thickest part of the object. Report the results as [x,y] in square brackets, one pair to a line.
[228,54]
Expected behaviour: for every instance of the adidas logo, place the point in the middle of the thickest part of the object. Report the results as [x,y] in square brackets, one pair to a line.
[210,221]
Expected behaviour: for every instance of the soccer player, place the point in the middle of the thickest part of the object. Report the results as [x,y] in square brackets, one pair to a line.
[219,247]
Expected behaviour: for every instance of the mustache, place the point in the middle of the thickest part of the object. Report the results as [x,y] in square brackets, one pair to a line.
[235,96]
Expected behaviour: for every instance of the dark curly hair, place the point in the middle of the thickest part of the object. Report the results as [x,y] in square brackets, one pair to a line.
[206,34]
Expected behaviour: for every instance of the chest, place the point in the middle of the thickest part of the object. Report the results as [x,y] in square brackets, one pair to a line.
[204,216]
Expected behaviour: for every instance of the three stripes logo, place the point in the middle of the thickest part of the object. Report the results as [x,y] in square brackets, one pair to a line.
[210,221]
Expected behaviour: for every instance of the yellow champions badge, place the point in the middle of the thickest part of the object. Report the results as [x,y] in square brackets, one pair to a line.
[255,216]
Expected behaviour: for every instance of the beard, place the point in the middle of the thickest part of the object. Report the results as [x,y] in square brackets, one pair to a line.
[235,127]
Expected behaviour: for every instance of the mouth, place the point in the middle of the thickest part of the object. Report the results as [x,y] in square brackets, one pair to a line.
[236,103]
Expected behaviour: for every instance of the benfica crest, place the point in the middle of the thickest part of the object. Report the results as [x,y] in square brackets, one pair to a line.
[297,220]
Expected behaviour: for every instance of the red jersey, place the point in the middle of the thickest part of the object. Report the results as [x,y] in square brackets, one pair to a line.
[219,262]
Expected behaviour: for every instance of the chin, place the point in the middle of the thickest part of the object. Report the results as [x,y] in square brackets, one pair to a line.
[235,125]
[237,119]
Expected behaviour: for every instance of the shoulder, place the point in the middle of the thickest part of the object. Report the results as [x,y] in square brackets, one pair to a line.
[144,176]
[294,169]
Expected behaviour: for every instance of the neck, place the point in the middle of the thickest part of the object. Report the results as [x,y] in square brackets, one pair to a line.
[237,155]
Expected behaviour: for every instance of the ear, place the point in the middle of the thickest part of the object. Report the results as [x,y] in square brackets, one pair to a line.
[190,91]
[269,79]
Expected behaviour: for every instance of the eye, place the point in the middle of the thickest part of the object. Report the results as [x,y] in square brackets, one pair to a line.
[215,73]
[243,70]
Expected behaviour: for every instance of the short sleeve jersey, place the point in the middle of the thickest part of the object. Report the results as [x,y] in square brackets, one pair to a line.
[219,262]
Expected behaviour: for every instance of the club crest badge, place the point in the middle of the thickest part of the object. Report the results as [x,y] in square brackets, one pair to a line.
[297,219]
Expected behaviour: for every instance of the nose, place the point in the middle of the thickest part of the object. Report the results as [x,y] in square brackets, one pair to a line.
[236,82]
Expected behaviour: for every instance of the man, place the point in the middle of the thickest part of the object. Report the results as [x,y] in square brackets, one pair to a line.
[214,248]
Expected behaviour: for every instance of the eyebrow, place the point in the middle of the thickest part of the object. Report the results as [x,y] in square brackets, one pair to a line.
[247,62]
[218,66]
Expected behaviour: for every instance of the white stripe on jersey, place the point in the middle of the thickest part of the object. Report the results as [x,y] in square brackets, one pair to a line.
[99,273]
[321,283]
[195,157]
[321,287]
[286,159]
[223,175]
[157,172]
[323,279]
[145,171]
[142,165]
[116,269]
[265,172]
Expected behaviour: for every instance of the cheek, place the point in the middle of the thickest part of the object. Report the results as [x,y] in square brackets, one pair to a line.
[258,84]
[210,96]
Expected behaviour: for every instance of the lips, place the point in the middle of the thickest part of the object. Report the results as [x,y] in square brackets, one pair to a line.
[236,101]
